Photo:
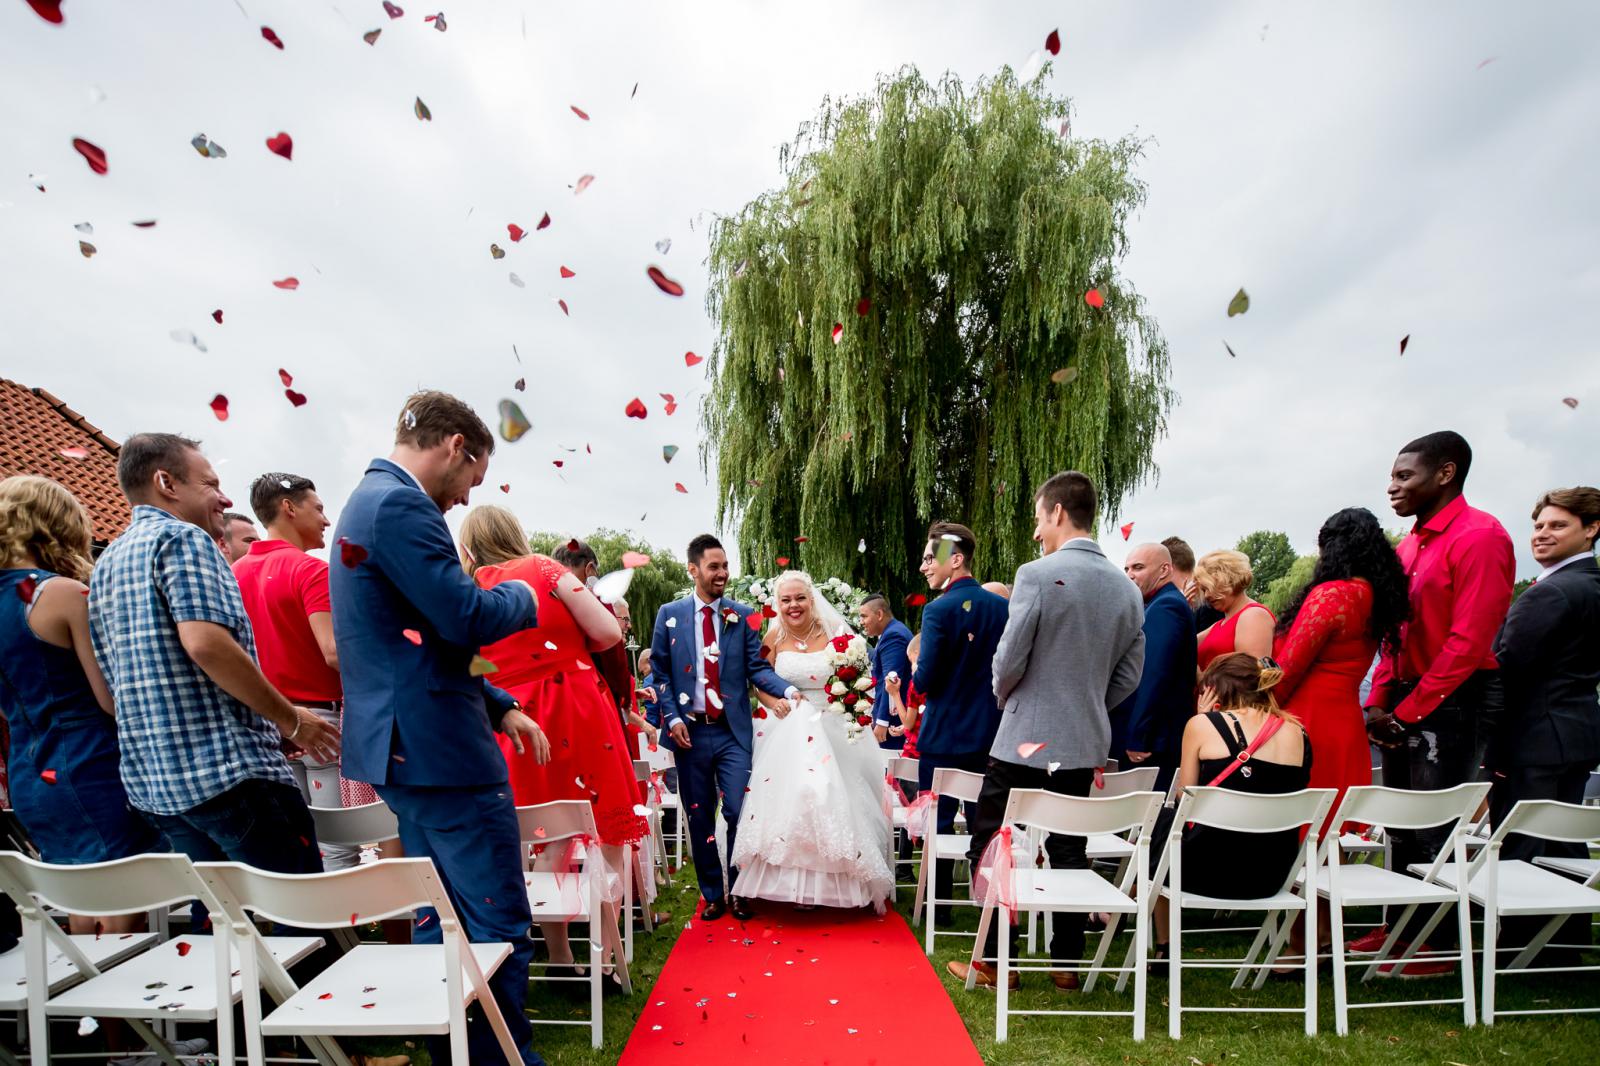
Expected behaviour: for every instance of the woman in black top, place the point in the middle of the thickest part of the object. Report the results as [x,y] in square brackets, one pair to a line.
[1235,704]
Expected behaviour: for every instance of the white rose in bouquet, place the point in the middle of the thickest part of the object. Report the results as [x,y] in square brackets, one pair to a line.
[837,689]
[863,683]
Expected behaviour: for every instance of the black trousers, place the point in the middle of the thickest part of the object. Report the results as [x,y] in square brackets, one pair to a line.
[1443,750]
[944,871]
[1066,853]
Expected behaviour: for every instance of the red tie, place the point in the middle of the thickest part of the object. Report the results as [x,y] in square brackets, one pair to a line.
[708,634]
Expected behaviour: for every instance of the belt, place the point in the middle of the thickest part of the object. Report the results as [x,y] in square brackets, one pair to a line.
[703,719]
[322,705]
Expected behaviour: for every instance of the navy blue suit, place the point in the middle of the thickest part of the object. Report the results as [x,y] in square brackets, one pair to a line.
[1152,719]
[718,758]
[889,656]
[420,727]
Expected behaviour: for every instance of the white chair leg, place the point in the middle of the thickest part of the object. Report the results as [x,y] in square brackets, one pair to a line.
[1268,931]
[922,885]
[1100,953]
[1310,952]
[1284,926]
[34,966]
[985,919]
[1175,961]
[1469,1009]
[1341,990]
[1002,983]
[1491,936]
[627,902]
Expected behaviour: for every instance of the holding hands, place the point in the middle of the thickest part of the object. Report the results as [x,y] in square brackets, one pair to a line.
[314,734]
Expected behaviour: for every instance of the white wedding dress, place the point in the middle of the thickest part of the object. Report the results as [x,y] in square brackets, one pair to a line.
[813,829]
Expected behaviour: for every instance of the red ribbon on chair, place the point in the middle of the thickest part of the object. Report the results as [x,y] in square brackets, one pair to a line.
[894,783]
[1099,777]
[594,861]
[655,787]
[920,815]
[997,873]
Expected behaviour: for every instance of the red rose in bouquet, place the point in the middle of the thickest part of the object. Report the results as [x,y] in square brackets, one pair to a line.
[847,674]
[850,699]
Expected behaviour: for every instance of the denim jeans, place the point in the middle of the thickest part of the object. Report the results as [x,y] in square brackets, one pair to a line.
[263,824]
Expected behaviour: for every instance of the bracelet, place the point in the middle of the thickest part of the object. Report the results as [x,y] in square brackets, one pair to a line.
[298,722]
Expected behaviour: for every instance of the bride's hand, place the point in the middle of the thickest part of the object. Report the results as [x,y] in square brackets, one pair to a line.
[782,708]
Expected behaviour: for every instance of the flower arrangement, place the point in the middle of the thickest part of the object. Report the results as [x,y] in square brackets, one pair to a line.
[849,687]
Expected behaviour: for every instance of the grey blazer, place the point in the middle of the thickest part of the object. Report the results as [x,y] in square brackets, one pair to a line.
[1073,646]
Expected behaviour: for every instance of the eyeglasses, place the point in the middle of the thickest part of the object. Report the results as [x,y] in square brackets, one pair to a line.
[926,559]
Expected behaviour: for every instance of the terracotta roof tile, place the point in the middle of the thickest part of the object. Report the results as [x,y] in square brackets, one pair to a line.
[34,429]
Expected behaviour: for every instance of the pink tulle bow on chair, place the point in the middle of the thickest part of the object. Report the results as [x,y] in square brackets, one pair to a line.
[920,815]
[996,874]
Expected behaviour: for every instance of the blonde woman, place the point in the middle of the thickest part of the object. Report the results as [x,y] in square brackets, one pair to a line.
[65,783]
[1223,578]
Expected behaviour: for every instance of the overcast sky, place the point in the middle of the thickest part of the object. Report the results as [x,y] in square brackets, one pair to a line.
[1366,172]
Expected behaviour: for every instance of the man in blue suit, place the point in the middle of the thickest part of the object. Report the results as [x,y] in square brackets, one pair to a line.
[417,724]
[891,638]
[1147,727]
[960,632]
[703,708]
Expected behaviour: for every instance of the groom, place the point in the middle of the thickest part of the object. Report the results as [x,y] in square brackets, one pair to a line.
[704,657]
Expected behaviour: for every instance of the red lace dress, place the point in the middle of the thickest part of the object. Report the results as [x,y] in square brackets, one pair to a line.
[1219,639]
[549,670]
[1324,656]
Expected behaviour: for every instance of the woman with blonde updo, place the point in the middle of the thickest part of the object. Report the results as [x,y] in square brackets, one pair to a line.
[66,787]
[1223,578]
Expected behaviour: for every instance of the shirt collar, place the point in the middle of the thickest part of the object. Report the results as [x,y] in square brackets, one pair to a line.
[1568,561]
[1447,514]
[262,547]
[406,475]
[700,605]
[144,512]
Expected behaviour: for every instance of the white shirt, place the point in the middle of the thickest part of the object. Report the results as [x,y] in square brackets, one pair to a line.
[410,476]
[698,702]
[1569,560]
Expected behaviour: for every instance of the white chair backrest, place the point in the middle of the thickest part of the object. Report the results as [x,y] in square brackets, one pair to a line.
[641,769]
[1591,791]
[543,823]
[1570,823]
[660,759]
[370,823]
[1250,812]
[1052,812]
[1141,779]
[903,769]
[963,785]
[1399,808]
[338,900]
[140,883]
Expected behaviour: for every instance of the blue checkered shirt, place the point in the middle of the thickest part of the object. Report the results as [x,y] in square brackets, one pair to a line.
[184,740]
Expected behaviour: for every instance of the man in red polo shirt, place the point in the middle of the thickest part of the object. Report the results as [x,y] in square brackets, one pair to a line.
[1431,704]
[286,596]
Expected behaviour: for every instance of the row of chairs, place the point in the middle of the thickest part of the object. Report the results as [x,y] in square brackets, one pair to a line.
[373,989]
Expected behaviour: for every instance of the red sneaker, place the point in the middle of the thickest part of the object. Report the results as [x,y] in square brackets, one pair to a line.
[1369,943]
[1419,967]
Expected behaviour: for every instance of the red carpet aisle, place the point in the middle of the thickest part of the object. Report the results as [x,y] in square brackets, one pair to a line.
[850,989]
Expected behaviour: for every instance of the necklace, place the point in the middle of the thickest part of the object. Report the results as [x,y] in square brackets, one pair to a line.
[815,625]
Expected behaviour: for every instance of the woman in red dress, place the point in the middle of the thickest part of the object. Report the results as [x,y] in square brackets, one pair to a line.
[1223,578]
[549,670]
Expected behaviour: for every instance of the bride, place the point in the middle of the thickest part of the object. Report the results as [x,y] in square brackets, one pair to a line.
[814,830]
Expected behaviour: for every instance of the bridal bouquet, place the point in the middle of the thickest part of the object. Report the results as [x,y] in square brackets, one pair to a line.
[850,686]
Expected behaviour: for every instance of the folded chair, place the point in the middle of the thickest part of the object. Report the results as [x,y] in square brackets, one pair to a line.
[964,786]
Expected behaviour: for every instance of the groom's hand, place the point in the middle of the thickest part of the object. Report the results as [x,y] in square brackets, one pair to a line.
[680,734]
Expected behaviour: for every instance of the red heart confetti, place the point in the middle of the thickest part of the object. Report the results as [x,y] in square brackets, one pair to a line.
[285,377]
[563,305]
[782,560]
[632,560]
[567,272]
[583,183]
[672,402]
[1570,401]
[75,452]
[412,635]
[801,539]
[296,398]
[394,10]
[354,918]
[838,332]
[1094,299]
[1052,43]
[1127,531]
[326,995]
[282,144]
[863,305]
[184,947]
[219,407]
[49,10]
[217,315]
[516,231]
[91,153]
[664,283]
[371,36]
[351,554]
[544,222]
[635,408]
[690,359]
[754,622]
[271,38]
[679,486]
[558,463]
[506,487]
[1030,749]
[289,284]
[580,112]
[1403,342]
[47,776]
[916,599]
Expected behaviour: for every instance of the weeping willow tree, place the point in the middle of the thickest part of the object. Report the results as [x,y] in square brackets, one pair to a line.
[891,319]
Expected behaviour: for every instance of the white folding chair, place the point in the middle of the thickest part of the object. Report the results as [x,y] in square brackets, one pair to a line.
[1370,885]
[375,989]
[1242,812]
[189,979]
[356,827]
[661,761]
[899,768]
[1080,891]
[1514,888]
[560,896]
[644,857]
[962,786]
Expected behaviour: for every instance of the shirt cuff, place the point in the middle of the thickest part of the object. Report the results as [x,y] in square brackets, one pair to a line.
[791,693]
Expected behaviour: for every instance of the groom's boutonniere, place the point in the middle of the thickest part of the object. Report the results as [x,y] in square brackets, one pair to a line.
[730,616]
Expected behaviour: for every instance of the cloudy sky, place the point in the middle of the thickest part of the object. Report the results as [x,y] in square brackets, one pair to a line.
[1366,172]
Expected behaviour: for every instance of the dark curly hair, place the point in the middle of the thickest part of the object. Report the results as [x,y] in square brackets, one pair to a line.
[1351,545]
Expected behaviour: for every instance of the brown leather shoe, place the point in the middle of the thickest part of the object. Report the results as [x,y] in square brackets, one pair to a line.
[987,977]
[1065,980]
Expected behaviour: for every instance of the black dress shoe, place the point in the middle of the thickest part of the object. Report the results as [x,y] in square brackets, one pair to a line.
[714,909]
[742,911]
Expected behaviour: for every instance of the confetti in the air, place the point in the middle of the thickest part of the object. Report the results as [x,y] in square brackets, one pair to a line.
[217,316]
[580,112]
[271,38]
[1239,304]
[861,545]
[583,183]
[47,776]
[916,599]
[145,223]
[87,1026]
[351,554]
[49,10]
[1065,375]
[437,20]
[563,305]
[672,403]
[85,227]
[26,588]
[296,398]
[664,283]
[77,451]
[1127,531]
[544,222]
[863,305]
[679,486]
[219,407]
[516,280]
[91,154]
[1052,43]
[394,11]
[516,232]
[371,36]
[184,947]
[285,377]
[422,112]
[782,560]
[568,272]
[289,283]
[668,451]
[1231,352]
[513,423]
[496,251]
[664,245]
[416,638]
[184,336]
[1403,342]
[635,408]
[690,359]
[1094,299]
[481,666]
[86,249]
[282,144]
[838,332]
[1029,749]
[208,148]
[1570,401]
[633,560]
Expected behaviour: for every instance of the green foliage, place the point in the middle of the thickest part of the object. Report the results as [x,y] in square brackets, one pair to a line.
[652,586]
[972,230]
[1271,556]
[1297,577]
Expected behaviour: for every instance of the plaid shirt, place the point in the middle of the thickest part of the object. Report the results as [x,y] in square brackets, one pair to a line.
[184,740]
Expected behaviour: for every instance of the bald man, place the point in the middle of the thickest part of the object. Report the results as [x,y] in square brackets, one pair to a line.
[1146,728]
[999,588]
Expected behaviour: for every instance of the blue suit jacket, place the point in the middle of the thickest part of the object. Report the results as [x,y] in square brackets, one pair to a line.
[414,714]
[889,656]
[955,669]
[740,665]
[1152,719]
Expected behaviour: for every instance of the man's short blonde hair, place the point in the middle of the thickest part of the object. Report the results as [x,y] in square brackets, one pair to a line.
[1224,571]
